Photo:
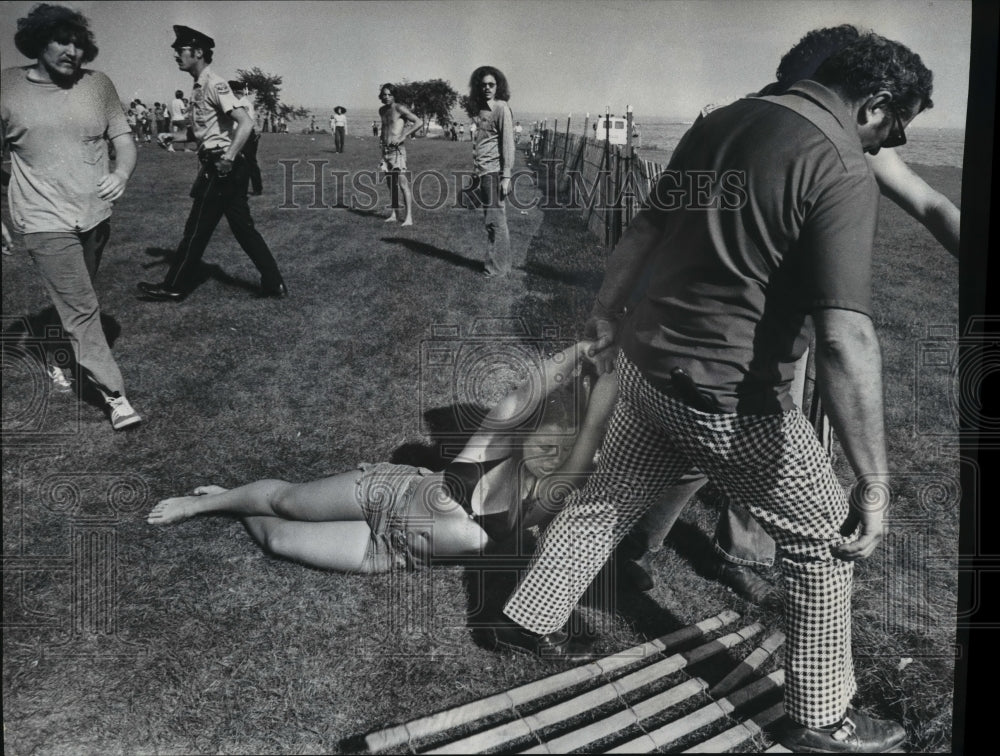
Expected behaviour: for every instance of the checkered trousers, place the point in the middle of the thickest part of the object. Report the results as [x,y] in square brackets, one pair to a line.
[773,465]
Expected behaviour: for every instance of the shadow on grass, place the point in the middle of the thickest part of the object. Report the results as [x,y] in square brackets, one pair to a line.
[449,428]
[159,255]
[206,271]
[40,339]
[437,253]
[366,213]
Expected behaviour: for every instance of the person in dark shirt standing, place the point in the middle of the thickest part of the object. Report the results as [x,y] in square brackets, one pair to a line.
[765,216]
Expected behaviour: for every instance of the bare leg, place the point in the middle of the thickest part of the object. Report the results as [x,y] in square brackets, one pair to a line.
[339,546]
[406,192]
[326,500]
[392,179]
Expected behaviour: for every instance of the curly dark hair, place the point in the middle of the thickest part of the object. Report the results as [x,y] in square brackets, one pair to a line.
[872,64]
[391,87]
[809,52]
[46,23]
[476,85]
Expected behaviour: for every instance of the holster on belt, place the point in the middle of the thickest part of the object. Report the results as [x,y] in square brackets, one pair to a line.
[686,390]
[210,156]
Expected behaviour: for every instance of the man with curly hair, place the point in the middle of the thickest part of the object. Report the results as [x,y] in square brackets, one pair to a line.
[765,216]
[56,118]
[741,545]
[493,158]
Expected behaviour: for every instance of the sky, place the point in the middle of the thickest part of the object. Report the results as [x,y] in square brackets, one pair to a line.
[662,57]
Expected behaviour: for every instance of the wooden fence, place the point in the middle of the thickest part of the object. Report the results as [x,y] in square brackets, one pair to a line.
[607,182]
[636,701]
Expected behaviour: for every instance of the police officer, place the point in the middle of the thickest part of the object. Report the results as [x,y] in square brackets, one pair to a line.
[222,126]
[242,91]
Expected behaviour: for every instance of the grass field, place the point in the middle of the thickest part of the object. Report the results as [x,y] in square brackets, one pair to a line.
[124,638]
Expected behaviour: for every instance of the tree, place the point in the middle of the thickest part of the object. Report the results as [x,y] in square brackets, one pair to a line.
[428,99]
[267,89]
[267,93]
[467,105]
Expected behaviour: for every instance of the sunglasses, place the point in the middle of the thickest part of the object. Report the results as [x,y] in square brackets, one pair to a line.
[897,135]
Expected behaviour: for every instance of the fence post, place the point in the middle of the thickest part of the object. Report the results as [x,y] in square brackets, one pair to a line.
[629,166]
[566,145]
[603,195]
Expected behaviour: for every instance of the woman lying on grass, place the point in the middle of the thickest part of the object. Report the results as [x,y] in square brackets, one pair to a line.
[384,516]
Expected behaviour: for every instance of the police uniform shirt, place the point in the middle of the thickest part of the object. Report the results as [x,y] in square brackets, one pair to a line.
[212,102]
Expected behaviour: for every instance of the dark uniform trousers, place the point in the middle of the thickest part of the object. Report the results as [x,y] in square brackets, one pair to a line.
[216,196]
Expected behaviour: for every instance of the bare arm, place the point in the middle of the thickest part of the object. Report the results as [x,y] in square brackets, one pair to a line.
[899,183]
[556,371]
[621,273]
[407,115]
[849,375]
[112,186]
[551,494]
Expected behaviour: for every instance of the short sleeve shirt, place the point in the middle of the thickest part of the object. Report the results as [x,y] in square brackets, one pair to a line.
[58,138]
[767,211]
[177,110]
[212,103]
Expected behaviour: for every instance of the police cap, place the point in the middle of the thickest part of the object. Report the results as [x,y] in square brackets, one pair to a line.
[188,37]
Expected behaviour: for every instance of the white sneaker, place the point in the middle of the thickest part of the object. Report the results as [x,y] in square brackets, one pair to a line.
[60,383]
[122,414]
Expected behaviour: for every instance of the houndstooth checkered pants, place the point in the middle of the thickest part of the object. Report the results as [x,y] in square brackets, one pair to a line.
[774,466]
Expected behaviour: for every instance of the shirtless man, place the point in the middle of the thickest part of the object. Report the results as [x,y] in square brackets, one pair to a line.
[395,118]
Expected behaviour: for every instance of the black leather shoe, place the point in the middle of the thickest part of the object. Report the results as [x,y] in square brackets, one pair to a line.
[556,645]
[855,733]
[747,584]
[161,292]
[277,292]
[634,573]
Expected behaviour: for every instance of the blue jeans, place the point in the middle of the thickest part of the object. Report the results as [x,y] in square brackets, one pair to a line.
[67,262]
[498,261]
[738,537]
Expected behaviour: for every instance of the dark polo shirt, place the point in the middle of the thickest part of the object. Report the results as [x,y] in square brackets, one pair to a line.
[768,212]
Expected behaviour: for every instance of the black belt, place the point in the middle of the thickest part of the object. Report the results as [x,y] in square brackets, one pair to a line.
[214,155]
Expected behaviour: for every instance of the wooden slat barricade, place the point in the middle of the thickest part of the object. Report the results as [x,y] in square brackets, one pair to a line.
[609,701]
[607,183]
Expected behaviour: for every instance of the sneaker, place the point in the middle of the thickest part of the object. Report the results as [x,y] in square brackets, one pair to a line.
[60,383]
[855,733]
[122,414]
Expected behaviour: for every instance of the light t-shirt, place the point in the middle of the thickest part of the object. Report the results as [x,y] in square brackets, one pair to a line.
[58,146]
[177,109]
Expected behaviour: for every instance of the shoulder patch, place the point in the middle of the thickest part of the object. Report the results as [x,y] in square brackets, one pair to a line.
[222,88]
